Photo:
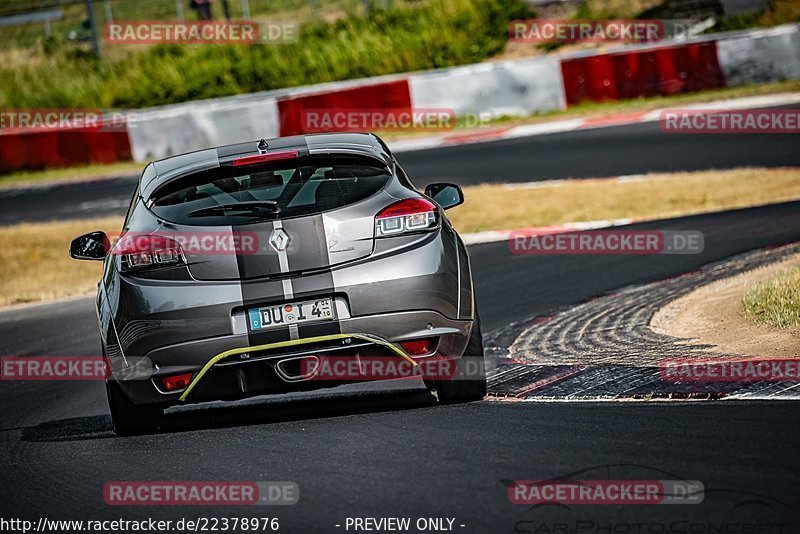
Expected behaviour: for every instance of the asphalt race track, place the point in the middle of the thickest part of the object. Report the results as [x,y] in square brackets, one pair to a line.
[371,452]
[611,151]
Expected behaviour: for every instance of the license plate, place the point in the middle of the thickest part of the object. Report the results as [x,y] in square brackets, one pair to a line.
[291,313]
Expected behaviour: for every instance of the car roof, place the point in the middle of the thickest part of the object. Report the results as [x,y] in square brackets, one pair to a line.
[355,144]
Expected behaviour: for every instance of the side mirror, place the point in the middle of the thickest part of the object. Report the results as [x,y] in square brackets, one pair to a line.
[446,195]
[91,246]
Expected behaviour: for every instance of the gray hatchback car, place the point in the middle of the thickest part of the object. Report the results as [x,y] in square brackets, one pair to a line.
[282,265]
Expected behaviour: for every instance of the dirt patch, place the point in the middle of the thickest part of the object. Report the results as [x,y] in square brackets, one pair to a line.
[714,314]
[35,263]
[654,196]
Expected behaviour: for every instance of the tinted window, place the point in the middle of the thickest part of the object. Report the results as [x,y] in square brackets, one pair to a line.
[294,188]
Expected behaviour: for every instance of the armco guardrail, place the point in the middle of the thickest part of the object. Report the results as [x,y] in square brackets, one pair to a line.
[516,87]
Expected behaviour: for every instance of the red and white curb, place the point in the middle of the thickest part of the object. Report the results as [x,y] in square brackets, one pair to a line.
[589,123]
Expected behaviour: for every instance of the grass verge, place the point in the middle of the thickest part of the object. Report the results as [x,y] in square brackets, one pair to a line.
[654,196]
[410,36]
[775,301]
[69,174]
[35,265]
[779,12]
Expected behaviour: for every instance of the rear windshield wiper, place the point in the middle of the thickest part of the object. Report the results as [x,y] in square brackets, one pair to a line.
[255,208]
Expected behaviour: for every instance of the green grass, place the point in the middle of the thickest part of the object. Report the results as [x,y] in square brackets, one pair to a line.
[85,172]
[33,35]
[410,36]
[776,301]
[780,12]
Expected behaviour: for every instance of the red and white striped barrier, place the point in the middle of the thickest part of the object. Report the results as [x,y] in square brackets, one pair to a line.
[42,149]
[519,87]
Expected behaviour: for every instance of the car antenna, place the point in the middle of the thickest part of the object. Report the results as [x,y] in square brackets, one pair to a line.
[263,146]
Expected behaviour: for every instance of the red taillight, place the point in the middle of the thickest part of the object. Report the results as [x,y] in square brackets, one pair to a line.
[263,158]
[419,347]
[405,216]
[139,251]
[176,382]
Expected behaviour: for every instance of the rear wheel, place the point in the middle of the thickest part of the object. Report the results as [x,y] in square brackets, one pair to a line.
[127,417]
[469,382]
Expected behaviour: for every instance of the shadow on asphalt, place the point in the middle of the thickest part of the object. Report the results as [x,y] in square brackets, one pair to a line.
[264,410]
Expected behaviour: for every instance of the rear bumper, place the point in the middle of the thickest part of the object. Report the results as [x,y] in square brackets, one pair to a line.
[142,317]
[230,367]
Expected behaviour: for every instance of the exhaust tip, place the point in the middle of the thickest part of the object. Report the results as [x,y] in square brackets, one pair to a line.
[297,368]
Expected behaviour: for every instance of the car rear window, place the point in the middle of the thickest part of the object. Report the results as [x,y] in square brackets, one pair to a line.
[297,187]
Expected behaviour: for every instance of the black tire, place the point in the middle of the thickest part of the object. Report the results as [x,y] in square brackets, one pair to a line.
[469,382]
[128,418]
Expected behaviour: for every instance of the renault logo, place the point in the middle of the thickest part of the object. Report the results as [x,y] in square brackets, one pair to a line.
[279,240]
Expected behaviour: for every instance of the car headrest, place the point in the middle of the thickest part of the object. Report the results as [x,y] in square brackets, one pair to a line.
[265,179]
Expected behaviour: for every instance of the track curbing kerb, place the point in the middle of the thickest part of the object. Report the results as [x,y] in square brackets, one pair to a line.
[618,358]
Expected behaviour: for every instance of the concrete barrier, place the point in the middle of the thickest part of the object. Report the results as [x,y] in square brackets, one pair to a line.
[518,87]
[163,132]
[760,56]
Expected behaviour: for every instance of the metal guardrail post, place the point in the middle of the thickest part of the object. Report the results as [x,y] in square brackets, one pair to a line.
[179,10]
[93,26]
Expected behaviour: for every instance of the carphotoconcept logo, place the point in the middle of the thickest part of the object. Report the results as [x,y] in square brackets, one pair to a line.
[589,500]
